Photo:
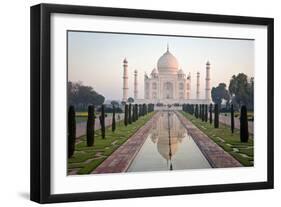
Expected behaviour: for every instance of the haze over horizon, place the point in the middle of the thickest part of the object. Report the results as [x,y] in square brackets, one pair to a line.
[96,59]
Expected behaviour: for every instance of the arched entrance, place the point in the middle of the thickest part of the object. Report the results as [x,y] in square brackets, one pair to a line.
[168,90]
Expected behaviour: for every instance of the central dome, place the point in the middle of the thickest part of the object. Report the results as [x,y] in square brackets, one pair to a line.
[168,63]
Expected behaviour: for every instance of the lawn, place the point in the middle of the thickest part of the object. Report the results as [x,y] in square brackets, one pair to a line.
[81,114]
[86,159]
[243,152]
[80,119]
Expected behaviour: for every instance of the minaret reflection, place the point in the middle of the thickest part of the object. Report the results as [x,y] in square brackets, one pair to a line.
[168,134]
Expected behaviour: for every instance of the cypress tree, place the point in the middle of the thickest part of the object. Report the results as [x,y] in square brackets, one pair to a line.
[211,113]
[137,112]
[144,109]
[196,111]
[140,110]
[244,133]
[134,113]
[232,119]
[102,121]
[216,121]
[71,131]
[206,112]
[130,114]
[126,115]
[91,126]
[203,113]
[113,120]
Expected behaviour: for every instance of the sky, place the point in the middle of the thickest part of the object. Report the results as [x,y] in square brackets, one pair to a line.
[96,59]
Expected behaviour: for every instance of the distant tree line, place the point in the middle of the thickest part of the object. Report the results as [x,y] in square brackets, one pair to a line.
[239,92]
[81,96]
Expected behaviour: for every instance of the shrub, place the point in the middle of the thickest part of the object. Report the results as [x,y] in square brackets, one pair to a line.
[134,113]
[216,121]
[113,125]
[144,109]
[211,113]
[203,112]
[192,109]
[130,114]
[102,122]
[71,131]
[150,107]
[196,111]
[140,110]
[126,115]
[137,112]
[91,126]
[244,133]
[206,113]
[232,118]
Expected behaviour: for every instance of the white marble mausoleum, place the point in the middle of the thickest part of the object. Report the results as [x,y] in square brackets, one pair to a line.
[167,83]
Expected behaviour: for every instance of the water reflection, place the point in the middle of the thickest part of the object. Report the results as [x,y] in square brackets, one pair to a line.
[168,147]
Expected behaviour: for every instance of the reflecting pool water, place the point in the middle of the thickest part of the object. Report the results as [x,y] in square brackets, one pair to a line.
[168,147]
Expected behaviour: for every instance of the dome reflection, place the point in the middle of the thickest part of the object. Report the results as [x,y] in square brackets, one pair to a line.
[167,147]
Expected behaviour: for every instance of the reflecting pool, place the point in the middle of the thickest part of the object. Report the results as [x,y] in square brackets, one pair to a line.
[168,147]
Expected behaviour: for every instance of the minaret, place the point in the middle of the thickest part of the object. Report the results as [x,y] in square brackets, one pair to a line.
[208,88]
[188,84]
[198,86]
[136,85]
[125,80]
[146,86]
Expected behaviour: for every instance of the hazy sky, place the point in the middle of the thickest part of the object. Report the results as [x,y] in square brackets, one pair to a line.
[96,59]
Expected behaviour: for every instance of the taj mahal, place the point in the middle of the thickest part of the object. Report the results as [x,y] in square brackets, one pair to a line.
[167,83]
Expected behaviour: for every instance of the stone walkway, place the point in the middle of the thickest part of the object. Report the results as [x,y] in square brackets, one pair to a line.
[216,156]
[120,159]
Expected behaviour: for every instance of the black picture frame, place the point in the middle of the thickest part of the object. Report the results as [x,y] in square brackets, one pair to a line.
[41,96]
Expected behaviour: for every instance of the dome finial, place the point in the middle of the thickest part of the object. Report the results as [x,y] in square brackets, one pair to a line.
[125,60]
